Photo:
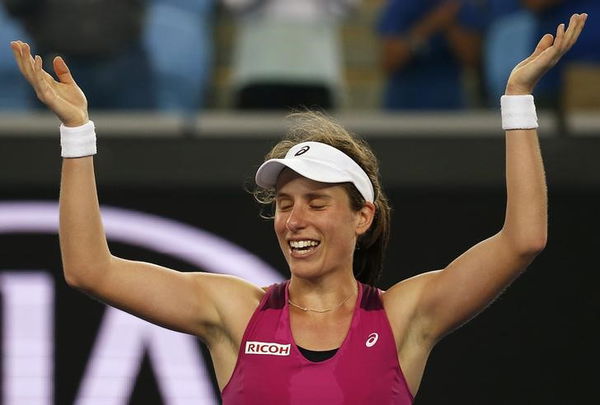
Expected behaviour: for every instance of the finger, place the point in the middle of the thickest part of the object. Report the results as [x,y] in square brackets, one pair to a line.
[39,70]
[545,42]
[16,48]
[39,83]
[19,51]
[560,35]
[62,71]
[28,63]
[570,36]
[42,87]
[552,54]
[574,30]
[570,32]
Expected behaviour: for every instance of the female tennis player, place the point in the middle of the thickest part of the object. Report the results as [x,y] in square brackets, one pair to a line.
[326,336]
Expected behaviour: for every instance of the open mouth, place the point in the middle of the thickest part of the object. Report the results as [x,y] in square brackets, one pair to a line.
[303,247]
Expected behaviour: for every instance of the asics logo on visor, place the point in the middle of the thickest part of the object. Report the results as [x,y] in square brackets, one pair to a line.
[302,150]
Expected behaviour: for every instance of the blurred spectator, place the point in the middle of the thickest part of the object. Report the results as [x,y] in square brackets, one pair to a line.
[178,37]
[549,14]
[287,53]
[14,90]
[100,41]
[510,38]
[427,45]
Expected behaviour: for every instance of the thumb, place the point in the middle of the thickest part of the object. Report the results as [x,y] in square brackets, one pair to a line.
[62,71]
[544,43]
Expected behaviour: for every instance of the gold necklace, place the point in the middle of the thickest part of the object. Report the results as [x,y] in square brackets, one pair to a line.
[320,311]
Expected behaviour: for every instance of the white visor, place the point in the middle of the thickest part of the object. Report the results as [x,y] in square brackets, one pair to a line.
[319,162]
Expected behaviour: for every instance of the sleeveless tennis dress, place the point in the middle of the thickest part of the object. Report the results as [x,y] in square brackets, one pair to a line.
[271,370]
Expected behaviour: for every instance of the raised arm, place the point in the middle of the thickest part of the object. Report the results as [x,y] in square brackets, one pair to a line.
[186,302]
[444,299]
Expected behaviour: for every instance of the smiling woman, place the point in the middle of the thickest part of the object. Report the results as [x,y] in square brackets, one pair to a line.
[360,172]
[327,335]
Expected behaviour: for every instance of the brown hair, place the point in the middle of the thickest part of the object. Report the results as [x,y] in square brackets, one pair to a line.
[317,127]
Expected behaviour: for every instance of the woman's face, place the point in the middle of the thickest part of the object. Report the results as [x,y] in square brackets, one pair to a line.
[315,226]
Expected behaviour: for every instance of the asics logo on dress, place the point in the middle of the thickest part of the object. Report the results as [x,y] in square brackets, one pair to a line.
[372,339]
[273,349]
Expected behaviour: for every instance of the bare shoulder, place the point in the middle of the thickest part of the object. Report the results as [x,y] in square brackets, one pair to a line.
[229,293]
[405,291]
[234,300]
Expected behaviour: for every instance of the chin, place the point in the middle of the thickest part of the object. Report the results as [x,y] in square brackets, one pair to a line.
[304,271]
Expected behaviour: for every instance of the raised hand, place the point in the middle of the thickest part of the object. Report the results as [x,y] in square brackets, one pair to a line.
[548,52]
[63,97]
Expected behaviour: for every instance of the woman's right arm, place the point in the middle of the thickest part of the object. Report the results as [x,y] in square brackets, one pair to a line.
[196,303]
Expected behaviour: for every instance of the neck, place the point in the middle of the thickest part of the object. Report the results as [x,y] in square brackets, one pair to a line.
[323,294]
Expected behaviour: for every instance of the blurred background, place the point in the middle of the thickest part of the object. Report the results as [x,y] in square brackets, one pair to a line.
[188,95]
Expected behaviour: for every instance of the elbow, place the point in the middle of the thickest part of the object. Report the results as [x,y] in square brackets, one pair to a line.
[80,283]
[526,245]
[534,246]
[84,276]
[71,277]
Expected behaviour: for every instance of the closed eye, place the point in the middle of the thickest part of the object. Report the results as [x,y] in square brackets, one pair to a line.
[284,207]
[318,203]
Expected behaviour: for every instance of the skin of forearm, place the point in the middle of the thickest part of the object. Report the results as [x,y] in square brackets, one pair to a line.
[398,51]
[83,244]
[526,221]
[396,54]
[438,19]
[465,44]
[541,5]
[425,29]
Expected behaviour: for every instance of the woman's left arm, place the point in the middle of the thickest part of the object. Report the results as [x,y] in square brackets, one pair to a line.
[445,299]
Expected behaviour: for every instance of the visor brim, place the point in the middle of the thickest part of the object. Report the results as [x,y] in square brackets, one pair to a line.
[268,172]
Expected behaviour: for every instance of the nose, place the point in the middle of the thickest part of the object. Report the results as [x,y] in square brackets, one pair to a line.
[296,220]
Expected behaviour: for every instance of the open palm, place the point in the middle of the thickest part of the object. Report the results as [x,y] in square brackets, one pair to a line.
[548,52]
[63,97]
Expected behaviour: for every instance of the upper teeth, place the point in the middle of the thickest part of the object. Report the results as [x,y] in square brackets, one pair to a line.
[303,243]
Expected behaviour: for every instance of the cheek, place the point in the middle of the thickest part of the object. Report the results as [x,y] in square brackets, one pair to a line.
[341,228]
[279,226]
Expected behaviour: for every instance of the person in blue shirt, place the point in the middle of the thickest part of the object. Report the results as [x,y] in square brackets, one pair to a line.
[100,39]
[14,93]
[510,35]
[178,38]
[426,46]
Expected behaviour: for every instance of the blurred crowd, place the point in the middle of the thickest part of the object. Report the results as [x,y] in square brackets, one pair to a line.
[160,54]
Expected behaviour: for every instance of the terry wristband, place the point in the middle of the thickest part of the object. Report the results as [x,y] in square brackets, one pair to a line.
[518,112]
[78,141]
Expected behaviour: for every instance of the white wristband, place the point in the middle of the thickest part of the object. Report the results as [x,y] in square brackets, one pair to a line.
[78,141]
[518,112]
